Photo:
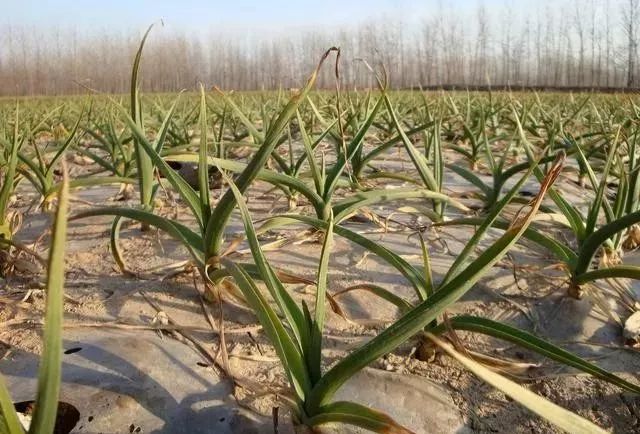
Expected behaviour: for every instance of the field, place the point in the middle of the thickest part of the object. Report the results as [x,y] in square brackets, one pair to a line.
[393,261]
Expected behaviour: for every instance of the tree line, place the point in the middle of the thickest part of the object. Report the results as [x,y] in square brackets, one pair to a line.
[582,44]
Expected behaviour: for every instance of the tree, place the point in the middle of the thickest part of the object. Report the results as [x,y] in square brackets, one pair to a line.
[630,17]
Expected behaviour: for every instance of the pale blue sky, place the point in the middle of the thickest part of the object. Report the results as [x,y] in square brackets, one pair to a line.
[203,15]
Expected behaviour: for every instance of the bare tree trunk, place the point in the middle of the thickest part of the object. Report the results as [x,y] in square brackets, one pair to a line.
[630,16]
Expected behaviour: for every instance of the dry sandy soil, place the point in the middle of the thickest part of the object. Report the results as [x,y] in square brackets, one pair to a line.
[101,301]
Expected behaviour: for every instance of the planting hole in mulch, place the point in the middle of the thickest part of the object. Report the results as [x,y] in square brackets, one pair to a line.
[66,419]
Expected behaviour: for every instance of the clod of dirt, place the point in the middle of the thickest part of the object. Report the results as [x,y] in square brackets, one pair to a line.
[631,331]
[405,398]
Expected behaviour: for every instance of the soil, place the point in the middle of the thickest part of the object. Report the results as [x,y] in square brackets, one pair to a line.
[99,294]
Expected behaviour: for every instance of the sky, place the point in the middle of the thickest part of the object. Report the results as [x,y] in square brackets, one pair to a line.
[203,15]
